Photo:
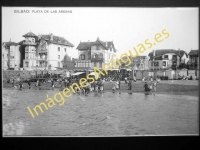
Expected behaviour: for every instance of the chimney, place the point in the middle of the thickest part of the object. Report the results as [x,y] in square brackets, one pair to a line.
[51,37]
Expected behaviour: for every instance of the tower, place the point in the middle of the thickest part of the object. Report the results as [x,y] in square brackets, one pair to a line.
[30,50]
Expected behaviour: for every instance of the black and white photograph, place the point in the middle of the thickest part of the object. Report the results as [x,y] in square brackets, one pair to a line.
[100,71]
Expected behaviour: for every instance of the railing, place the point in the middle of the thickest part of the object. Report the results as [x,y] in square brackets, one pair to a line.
[42,58]
[165,58]
[29,43]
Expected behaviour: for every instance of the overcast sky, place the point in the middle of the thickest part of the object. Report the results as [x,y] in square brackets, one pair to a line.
[126,26]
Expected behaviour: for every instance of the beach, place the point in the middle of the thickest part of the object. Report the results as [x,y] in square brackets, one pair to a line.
[173,110]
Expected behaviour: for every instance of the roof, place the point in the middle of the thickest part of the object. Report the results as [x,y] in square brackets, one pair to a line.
[21,42]
[98,42]
[162,52]
[10,43]
[30,34]
[194,52]
[57,40]
[136,58]
[85,45]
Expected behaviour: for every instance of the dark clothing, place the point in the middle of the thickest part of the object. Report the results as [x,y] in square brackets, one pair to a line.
[146,87]
[20,86]
[29,84]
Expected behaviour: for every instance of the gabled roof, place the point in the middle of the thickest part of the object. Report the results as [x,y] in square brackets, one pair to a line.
[98,42]
[10,43]
[85,45]
[162,52]
[30,34]
[57,40]
[194,52]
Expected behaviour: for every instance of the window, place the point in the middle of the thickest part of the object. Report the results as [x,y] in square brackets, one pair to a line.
[164,63]
[165,56]
[82,56]
[65,50]
[58,56]
[26,64]
[142,65]
[156,63]
[58,49]
[174,57]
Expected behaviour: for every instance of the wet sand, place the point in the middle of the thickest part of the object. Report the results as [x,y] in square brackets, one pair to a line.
[97,114]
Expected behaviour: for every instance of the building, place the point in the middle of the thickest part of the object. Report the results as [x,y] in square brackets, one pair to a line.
[45,51]
[95,53]
[193,62]
[28,50]
[10,56]
[68,63]
[137,63]
[167,58]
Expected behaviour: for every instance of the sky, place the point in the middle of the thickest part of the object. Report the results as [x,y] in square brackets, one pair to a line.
[125,26]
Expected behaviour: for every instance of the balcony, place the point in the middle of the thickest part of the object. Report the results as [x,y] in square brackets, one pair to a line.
[165,59]
[97,59]
[42,59]
[29,43]
[43,51]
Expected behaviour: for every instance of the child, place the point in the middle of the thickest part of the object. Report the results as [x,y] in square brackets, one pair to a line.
[20,86]
[117,85]
[113,86]
[36,84]
[96,87]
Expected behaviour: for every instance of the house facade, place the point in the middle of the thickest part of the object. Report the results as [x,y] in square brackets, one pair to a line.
[10,56]
[193,62]
[167,59]
[95,53]
[44,51]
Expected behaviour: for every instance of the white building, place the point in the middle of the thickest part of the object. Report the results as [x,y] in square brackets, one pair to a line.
[167,58]
[10,56]
[45,51]
[95,53]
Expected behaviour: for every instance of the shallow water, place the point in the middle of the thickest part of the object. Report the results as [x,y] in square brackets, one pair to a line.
[104,114]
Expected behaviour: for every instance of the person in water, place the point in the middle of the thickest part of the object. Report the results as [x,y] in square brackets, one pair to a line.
[20,85]
[146,87]
[29,84]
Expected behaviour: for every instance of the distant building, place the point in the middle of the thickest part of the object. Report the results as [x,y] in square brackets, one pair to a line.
[95,53]
[44,51]
[137,63]
[68,63]
[167,58]
[193,62]
[10,56]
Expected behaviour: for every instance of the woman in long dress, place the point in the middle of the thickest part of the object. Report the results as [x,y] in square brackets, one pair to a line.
[113,86]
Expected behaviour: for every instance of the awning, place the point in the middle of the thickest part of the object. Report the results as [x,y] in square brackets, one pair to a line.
[128,69]
[77,73]
[92,73]
[114,69]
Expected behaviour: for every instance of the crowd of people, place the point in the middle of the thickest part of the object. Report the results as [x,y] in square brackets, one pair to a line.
[96,86]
